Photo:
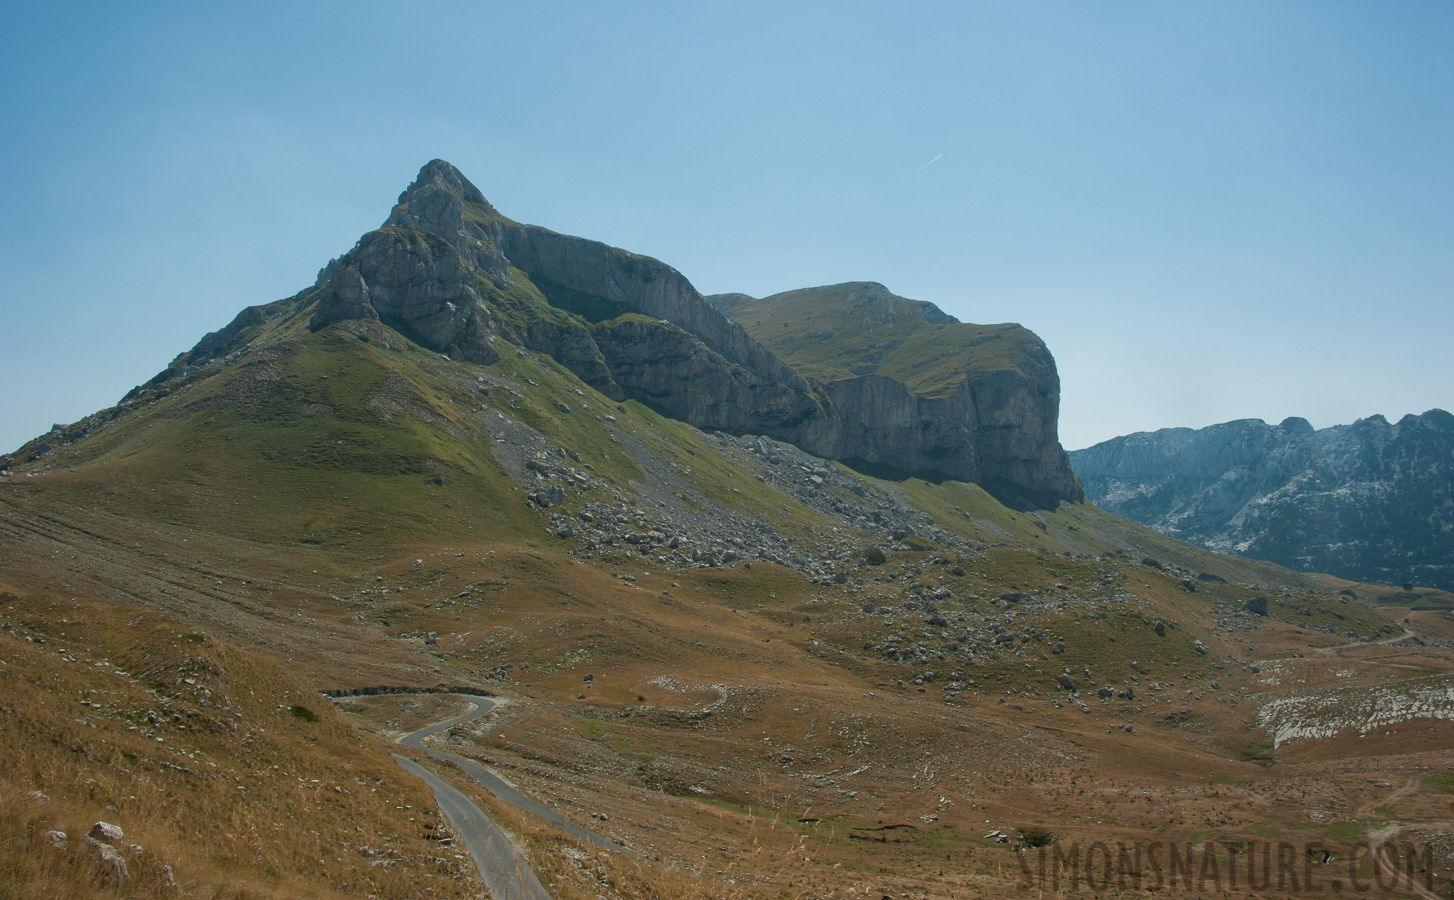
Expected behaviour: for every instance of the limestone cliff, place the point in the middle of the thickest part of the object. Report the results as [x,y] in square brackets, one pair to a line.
[915,388]
[449,271]
[1371,501]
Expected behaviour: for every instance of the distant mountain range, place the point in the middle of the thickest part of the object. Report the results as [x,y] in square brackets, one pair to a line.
[1371,501]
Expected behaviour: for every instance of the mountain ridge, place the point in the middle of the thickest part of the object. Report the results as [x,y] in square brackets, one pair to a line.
[1372,501]
[449,270]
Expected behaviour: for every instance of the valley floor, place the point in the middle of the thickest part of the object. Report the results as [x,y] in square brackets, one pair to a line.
[742,729]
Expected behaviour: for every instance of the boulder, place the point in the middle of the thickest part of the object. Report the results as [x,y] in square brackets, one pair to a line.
[110,864]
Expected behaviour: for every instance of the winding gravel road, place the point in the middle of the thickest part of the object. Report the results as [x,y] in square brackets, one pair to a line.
[505,870]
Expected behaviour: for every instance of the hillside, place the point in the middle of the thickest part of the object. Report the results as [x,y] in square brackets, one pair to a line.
[996,383]
[768,673]
[1371,501]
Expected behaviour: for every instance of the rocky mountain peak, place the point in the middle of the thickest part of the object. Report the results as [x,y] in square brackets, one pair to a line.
[1296,425]
[448,271]
[435,202]
[1367,501]
[440,175]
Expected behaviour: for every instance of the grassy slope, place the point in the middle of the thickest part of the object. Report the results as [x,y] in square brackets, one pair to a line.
[888,339]
[215,762]
[308,476]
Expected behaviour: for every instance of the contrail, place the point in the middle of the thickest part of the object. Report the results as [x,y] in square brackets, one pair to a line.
[931,162]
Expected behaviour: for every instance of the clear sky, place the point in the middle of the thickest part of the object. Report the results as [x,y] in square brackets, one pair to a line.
[1208,210]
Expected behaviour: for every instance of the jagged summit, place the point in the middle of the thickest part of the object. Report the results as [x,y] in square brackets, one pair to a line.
[439,174]
[449,271]
[1367,501]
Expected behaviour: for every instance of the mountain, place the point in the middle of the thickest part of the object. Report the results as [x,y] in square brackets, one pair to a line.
[473,463]
[1371,501]
[923,390]
[449,271]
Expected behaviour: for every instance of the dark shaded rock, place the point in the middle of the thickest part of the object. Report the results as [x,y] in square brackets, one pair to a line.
[1257,606]
[1368,501]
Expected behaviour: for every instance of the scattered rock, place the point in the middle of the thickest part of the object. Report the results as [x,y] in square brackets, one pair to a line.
[105,831]
[112,864]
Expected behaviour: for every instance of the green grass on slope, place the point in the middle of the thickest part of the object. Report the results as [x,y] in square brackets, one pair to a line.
[931,359]
[331,438]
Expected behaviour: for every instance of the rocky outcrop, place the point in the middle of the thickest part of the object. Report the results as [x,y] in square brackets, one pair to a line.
[449,271]
[914,389]
[1371,501]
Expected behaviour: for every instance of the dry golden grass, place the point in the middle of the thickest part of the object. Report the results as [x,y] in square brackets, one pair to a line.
[572,870]
[215,762]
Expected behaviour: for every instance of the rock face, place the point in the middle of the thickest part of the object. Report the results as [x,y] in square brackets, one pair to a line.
[915,388]
[449,271]
[1371,501]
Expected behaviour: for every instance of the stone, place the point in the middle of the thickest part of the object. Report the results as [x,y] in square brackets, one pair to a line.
[1066,682]
[1160,628]
[111,865]
[875,556]
[56,838]
[1257,606]
[105,831]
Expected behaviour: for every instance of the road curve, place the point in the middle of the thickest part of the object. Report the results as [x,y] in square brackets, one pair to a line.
[506,873]
[497,786]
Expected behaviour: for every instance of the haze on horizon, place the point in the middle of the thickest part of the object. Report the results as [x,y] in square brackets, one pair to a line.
[1208,211]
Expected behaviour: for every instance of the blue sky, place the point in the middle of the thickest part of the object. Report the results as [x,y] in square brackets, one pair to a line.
[1208,210]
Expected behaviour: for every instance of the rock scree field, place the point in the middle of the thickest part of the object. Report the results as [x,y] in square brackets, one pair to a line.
[797,601]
